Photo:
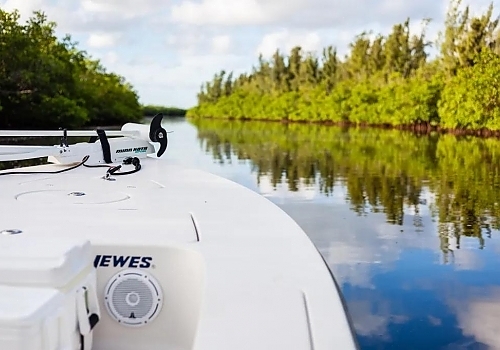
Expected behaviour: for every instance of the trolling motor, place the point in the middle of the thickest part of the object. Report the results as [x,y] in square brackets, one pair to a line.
[135,140]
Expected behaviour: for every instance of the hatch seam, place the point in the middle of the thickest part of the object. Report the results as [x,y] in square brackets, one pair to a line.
[195,224]
[308,320]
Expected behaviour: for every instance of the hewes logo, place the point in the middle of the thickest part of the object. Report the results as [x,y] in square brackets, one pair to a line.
[143,262]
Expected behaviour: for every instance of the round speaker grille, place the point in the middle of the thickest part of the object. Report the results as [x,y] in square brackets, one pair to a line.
[133,297]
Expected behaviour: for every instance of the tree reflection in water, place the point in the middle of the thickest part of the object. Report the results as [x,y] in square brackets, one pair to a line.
[382,170]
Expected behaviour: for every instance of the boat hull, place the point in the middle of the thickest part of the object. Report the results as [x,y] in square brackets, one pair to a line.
[235,271]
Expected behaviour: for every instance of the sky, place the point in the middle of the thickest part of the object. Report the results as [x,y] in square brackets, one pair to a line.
[168,48]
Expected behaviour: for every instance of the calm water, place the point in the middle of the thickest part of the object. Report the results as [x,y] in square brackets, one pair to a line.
[409,225]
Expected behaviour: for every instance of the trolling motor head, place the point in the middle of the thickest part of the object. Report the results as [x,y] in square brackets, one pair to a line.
[158,134]
[155,133]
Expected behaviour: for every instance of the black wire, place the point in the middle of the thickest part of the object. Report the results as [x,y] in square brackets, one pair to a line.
[97,166]
[112,170]
[135,161]
[47,172]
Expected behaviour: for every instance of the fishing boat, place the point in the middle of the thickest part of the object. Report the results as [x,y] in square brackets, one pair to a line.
[108,246]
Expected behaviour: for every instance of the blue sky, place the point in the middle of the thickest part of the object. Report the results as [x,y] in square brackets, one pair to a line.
[167,48]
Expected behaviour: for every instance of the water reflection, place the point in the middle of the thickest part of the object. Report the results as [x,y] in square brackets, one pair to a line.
[408,224]
[401,293]
[382,171]
[480,315]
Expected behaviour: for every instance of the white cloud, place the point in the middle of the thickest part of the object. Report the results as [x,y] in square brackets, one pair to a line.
[191,69]
[175,80]
[315,13]
[478,311]
[467,259]
[285,40]
[25,7]
[221,44]
[127,9]
[230,13]
[194,41]
[110,58]
[102,40]
[368,323]
[353,250]
[98,6]
[280,192]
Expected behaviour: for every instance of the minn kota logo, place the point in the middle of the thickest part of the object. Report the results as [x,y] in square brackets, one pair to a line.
[135,150]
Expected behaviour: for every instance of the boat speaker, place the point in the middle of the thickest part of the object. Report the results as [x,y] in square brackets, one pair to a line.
[133,298]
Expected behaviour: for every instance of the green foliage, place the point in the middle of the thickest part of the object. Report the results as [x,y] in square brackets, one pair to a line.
[382,170]
[151,110]
[472,98]
[46,82]
[384,80]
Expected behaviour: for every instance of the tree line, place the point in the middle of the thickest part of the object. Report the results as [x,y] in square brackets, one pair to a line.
[47,82]
[152,110]
[383,80]
[383,171]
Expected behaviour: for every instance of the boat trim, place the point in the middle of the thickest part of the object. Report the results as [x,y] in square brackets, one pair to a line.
[344,303]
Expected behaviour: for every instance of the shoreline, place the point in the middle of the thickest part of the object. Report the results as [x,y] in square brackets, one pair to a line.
[418,129]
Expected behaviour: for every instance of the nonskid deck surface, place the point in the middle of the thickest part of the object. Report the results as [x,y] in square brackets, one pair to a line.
[265,285]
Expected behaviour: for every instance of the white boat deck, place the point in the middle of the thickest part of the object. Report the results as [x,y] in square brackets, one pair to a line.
[236,271]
